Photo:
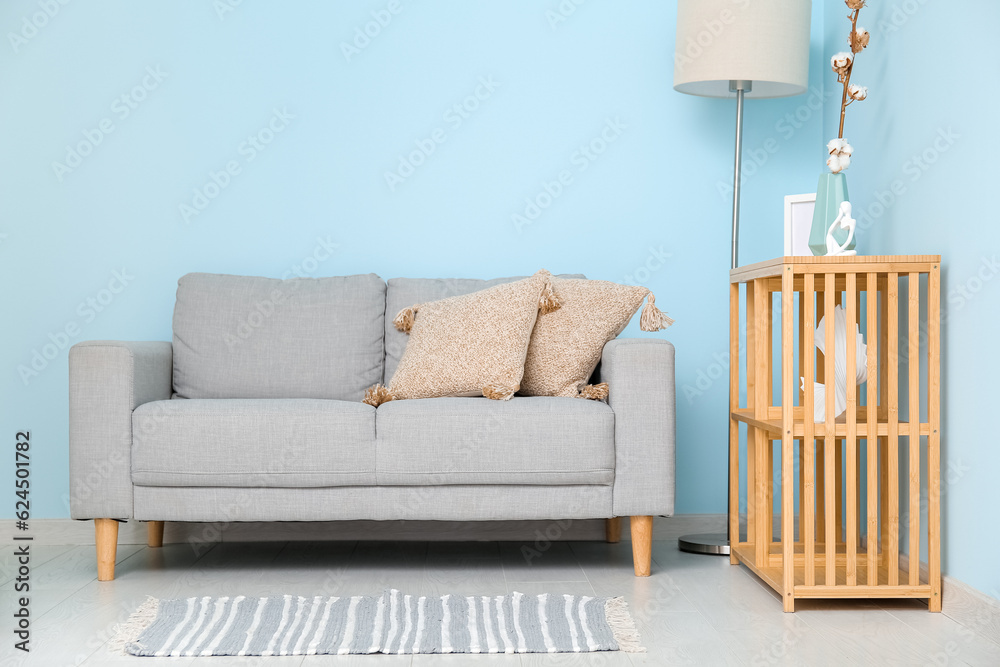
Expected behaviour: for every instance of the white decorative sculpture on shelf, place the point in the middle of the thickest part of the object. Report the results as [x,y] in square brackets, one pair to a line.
[843,221]
[839,364]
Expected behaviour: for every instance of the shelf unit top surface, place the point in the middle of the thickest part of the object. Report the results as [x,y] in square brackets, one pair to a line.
[802,264]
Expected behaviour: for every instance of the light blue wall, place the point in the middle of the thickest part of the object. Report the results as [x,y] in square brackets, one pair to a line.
[654,191]
[922,180]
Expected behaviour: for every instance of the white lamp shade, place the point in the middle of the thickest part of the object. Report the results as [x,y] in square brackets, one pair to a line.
[765,42]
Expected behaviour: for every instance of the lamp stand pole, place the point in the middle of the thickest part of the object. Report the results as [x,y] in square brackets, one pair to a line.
[738,87]
[717,544]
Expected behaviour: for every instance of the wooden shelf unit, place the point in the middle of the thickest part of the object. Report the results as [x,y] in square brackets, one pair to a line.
[854,493]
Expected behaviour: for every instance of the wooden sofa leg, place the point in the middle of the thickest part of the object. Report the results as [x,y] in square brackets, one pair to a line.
[613,530]
[106,537]
[154,534]
[642,544]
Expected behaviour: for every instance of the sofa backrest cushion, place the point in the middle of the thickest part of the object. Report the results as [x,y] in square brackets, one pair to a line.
[406,292]
[247,337]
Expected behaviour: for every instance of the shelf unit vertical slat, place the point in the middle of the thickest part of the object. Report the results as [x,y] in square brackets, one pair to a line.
[787,441]
[802,395]
[807,352]
[802,479]
[934,437]
[751,370]
[734,427]
[851,441]
[883,347]
[770,342]
[769,509]
[802,331]
[762,539]
[913,415]
[892,469]
[838,485]
[820,370]
[871,443]
[883,414]
[838,456]
[829,448]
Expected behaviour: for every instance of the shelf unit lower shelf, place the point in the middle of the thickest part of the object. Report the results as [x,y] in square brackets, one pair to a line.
[773,426]
[772,573]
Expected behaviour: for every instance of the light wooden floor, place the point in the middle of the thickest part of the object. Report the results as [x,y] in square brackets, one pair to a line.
[695,610]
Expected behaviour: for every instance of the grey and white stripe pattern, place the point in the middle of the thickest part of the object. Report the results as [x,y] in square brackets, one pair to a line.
[390,623]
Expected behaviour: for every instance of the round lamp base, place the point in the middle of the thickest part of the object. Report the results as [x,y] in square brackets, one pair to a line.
[714,544]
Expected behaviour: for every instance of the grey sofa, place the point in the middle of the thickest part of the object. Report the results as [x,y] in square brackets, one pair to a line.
[253,413]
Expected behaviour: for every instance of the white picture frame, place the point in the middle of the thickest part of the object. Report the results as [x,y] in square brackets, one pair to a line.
[798,221]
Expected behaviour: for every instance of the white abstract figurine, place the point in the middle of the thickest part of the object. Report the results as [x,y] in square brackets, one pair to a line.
[841,374]
[843,221]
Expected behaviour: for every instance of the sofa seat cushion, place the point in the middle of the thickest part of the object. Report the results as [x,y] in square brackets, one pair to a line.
[538,440]
[253,443]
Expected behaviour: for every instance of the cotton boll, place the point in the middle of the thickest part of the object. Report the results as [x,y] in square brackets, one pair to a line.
[838,163]
[857,92]
[842,59]
[858,39]
[840,151]
[840,62]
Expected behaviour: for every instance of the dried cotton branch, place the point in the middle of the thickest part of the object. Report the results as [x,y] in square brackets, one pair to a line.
[843,64]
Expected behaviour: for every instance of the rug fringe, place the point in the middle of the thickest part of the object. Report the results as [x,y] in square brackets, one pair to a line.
[622,625]
[128,632]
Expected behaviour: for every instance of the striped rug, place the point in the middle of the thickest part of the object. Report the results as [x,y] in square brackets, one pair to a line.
[390,623]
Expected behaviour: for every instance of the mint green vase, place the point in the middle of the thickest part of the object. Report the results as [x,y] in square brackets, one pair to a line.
[830,193]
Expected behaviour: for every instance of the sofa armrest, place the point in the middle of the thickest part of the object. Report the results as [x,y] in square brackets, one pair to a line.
[640,377]
[107,381]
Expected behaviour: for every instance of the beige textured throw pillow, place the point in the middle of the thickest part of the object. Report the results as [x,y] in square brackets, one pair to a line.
[468,345]
[566,345]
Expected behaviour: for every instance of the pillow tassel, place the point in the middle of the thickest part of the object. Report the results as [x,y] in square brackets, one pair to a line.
[595,392]
[499,392]
[548,302]
[652,318]
[376,395]
[404,319]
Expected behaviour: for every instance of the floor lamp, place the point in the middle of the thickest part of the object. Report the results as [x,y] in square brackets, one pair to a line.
[750,50]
